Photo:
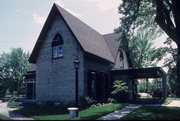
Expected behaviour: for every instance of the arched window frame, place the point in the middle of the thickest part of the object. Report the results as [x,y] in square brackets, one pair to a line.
[57,48]
[121,56]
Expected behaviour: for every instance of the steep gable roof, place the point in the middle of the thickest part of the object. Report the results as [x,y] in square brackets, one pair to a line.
[90,40]
[112,43]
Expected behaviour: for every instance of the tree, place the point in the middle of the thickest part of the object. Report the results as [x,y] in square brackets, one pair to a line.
[119,86]
[142,50]
[13,66]
[120,92]
[149,14]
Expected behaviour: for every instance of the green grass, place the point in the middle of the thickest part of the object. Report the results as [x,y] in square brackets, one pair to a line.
[154,113]
[61,113]
[4,117]
[10,104]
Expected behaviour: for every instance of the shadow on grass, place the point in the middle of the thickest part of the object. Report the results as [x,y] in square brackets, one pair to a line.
[154,113]
[40,110]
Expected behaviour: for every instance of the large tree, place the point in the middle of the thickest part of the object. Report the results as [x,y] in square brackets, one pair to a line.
[142,50]
[149,14]
[13,66]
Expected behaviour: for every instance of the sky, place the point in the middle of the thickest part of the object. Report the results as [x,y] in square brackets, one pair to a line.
[21,21]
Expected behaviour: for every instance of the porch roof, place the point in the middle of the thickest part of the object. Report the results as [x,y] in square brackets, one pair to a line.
[137,73]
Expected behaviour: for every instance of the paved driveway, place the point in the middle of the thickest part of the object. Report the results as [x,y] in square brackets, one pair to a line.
[8,112]
[174,103]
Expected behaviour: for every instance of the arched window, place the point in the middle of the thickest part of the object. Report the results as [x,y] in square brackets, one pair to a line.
[121,57]
[57,46]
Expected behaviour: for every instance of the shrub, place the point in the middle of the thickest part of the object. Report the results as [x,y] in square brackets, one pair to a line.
[112,100]
[120,92]
[87,102]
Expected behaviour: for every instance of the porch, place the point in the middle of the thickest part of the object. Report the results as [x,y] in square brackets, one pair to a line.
[131,76]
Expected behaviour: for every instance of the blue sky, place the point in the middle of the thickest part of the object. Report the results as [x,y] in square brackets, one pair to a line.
[22,20]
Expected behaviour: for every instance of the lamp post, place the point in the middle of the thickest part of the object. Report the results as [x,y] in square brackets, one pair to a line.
[76,66]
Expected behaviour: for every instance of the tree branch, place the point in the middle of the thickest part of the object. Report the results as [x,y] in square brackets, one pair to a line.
[164,21]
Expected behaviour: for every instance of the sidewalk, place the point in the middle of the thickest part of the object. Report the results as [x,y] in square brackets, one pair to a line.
[120,113]
[8,112]
[174,103]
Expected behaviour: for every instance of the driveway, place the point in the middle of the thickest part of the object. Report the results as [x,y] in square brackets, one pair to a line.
[8,112]
[174,103]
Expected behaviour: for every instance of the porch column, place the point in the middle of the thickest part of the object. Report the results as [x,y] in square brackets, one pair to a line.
[164,85]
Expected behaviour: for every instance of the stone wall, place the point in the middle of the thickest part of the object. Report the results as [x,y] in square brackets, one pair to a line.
[95,64]
[56,77]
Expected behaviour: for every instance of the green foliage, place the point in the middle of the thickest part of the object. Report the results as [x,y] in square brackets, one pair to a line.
[13,66]
[111,100]
[158,16]
[119,86]
[120,91]
[86,102]
[4,117]
[13,103]
[142,50]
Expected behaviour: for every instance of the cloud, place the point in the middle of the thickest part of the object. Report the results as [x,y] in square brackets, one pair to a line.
[105,5]
[60,3]
[38,19]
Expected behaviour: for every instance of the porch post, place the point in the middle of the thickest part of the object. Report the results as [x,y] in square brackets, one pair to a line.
[164,84]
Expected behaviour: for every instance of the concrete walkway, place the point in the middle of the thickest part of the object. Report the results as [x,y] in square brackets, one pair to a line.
[8,112]
[174,103]
[119,113]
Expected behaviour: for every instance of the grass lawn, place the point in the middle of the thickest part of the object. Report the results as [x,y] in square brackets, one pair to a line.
[154,113]
[61,113]
[10,104]
[4,117]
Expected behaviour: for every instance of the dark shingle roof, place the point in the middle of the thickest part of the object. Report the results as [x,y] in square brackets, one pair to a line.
[89,39]
[112,43]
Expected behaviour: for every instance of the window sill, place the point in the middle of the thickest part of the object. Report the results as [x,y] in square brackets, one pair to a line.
[57,58]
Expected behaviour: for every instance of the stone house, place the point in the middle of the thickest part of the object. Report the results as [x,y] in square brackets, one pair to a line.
[63,37]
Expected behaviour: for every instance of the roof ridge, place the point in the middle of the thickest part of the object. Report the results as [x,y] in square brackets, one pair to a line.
[61,10]
[78,18]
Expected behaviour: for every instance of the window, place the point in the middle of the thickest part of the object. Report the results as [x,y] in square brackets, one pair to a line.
[97,85]
[92,76]
[121,56]
[57,46]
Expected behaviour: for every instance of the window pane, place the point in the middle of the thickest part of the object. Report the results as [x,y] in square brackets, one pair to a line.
[59,51]
[55,52]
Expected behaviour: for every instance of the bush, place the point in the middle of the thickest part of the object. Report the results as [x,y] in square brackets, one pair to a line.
[120,92]
[87,102]
[111,100]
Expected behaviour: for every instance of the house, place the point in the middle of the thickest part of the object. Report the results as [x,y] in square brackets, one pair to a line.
[63,38]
